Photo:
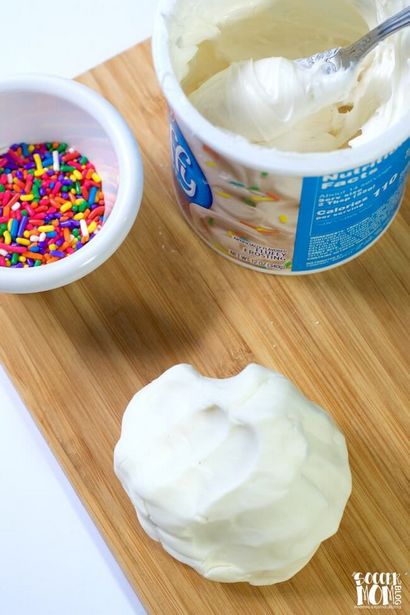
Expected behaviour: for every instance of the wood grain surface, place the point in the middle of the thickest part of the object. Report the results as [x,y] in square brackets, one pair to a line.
[78,354]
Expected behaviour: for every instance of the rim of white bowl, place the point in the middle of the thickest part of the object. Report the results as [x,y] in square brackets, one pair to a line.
[243,152]
[127,203]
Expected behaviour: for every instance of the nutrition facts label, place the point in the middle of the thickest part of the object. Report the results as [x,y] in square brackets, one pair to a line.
[342,213]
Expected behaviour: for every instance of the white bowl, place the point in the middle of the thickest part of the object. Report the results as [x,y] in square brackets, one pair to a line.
[36,109]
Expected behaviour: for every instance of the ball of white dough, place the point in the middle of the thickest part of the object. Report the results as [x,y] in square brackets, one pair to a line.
[240,478]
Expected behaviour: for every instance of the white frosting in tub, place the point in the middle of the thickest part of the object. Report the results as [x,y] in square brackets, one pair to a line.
[234,60]
[239,478]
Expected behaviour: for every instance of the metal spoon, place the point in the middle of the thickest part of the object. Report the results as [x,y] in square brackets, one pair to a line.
[347,57]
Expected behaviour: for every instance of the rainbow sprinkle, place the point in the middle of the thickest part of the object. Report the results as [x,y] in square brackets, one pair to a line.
[51,203]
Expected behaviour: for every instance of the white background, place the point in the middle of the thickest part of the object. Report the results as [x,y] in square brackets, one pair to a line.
[52,559]
[67,37]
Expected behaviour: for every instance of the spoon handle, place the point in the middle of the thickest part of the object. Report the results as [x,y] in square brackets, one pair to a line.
[360,48]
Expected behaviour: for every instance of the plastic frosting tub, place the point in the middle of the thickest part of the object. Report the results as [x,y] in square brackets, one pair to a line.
[324,209]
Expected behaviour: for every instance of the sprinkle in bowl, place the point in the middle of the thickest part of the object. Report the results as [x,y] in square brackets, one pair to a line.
[40,109]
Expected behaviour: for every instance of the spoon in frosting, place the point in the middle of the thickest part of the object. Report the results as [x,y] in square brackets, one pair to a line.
[342,58]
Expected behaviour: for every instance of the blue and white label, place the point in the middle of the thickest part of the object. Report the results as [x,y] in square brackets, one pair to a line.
[342,213]
[188,173]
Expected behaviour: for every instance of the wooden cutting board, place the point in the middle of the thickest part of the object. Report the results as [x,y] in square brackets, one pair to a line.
[78,355]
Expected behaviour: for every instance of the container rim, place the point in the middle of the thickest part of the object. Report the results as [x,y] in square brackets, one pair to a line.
[255,156]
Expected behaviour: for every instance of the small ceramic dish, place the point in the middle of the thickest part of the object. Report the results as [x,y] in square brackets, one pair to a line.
[36,109]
